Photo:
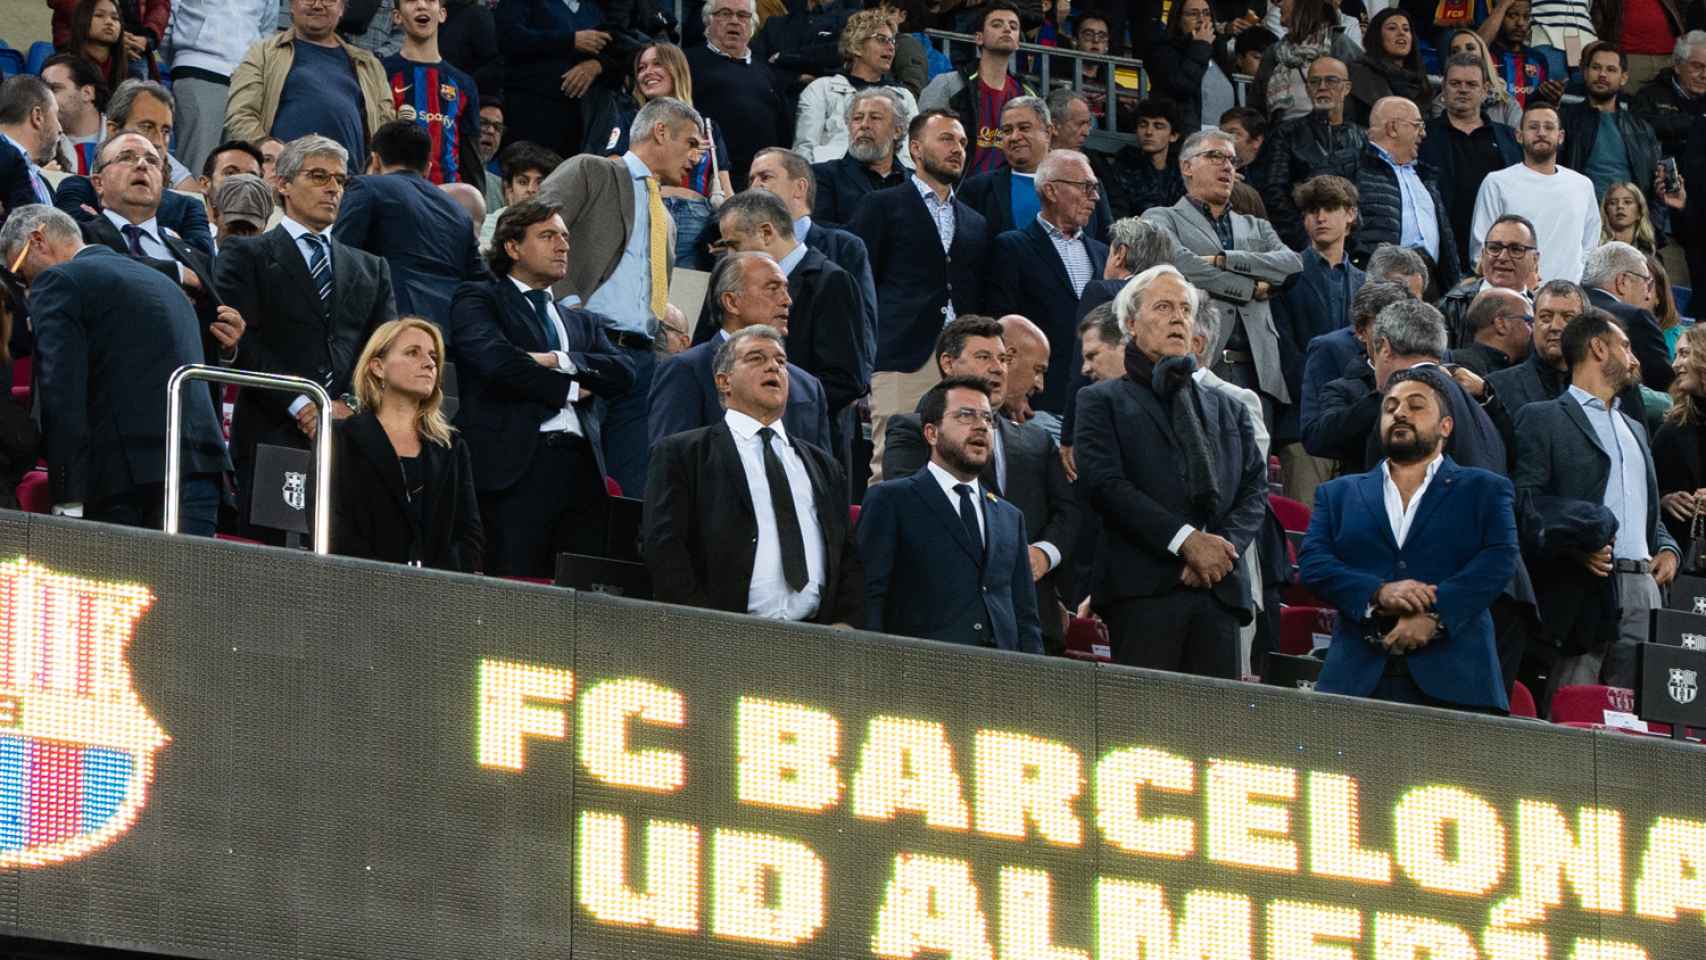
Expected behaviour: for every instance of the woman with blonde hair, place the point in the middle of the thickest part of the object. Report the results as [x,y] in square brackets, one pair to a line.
[403,482]
[867,48]
[1501,106]
[661,71]
[1623,216]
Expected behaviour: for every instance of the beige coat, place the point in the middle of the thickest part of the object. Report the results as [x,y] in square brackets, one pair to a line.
[596,197]
[258,83]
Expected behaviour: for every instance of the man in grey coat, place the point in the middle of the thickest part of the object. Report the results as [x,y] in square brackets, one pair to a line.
[1239,260]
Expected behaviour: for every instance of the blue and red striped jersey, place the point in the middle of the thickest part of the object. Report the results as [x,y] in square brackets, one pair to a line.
[440,98]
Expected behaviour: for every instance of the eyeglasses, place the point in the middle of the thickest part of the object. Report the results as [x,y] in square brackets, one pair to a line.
[966,416]
[132,158]
[1645,278]
[1217,156]
[1331,83]
[1091,187]
[320,178]
[882,39]
[744,16]
[1527,318]
[1092,36]
[1496,249]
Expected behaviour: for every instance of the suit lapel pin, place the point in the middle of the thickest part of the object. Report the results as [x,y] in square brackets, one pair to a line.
[991,496]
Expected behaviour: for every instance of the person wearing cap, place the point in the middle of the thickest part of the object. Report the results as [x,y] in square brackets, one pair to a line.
[1412,554]
[241,206]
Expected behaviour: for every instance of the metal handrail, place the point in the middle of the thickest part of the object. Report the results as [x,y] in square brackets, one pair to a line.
[259,381]
[1109,62]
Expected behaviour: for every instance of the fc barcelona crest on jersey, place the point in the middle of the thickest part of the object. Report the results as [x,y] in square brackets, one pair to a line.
[76,744]
[447,93]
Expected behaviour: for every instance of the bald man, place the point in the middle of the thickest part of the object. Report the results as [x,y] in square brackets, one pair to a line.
[1325,141]
[1400,202]
[469,198]
[1027,369]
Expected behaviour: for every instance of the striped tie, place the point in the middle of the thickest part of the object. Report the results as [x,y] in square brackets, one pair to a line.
[320,267]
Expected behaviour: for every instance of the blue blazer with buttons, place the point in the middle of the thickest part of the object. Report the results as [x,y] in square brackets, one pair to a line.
[1463,541]
[924,577]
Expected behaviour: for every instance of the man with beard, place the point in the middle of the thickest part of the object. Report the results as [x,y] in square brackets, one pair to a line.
[1583,447]
[1464,144]
[1172,475]
[927,255]
[1604,139]
[876,123]
[944,558]
[1413,554]
[1559,201]
[1297,150]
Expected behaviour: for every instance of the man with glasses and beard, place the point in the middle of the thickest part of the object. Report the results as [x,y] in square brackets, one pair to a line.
[1412,554]
[1585,446]
[944,558]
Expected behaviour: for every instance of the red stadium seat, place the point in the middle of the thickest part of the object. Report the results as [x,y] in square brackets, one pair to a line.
[1291,514]
[1522,702]
[1087,639]
[21,371]
[21,396]
[1589,703]
[542,581]
[233,538]
[852,516]
[612,487]
[33,494]
[1300,625]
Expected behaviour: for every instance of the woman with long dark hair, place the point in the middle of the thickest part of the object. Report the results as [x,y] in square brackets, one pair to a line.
[1313,30]
[1390,66]
[1177,66]
[97,35]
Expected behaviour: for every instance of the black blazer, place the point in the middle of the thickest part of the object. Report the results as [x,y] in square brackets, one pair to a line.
[16,190]
[843,183]
[288,329]
[700,533]
[1679,460]
[991,194]
[826,330]
[925,577]
[101,230]
[1029,278]
[915,279]
[183,214]
[110,331]
[1097,292]
[684,397]
[1132,468]
[506,395]
[1646,340]
[426,238]
[847,251]
[370,511]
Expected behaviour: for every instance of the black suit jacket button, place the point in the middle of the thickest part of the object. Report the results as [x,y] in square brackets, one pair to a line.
[977,626]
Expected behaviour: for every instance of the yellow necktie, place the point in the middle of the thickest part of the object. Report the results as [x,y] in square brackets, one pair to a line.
[658,247]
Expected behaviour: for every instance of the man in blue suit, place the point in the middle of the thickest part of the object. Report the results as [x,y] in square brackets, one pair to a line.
[534,378]
[1412,554]
[944,558]
[395,212]
[745,289]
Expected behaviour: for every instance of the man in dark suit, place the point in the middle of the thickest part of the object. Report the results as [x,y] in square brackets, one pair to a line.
[1041,269]
[1617,280]
[534,378]
[145,108]
[1545,375]
[1501,328]
[396,213]
[109,334]
[309,302]
[1395,273]
[740,516]
[876,125]
[1174,477]
[1413,554]
[1024,464]
[127,177]
[746,289]
[826,334]
[1010,198]
[928,251]
[29,134]
[1583,447]
[945,559]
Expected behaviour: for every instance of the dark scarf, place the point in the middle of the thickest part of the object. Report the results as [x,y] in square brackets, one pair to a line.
[1171,381]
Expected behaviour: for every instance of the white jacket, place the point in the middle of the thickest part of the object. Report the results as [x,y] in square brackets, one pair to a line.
[213,35]
[820,130]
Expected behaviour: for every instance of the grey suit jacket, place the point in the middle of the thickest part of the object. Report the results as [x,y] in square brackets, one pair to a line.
[1257,254]
[596,196]
[1559,455]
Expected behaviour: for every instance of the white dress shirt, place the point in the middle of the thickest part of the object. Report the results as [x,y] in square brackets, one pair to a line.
[948,482]
[565,420]
[1399,514]
[769,595]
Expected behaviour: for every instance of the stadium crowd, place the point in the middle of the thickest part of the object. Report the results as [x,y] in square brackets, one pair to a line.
[961,370]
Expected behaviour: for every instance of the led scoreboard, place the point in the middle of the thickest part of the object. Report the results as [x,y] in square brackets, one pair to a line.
[216,751]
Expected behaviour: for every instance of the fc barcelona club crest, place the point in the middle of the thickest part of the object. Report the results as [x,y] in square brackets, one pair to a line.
[1683,686]
[76,744]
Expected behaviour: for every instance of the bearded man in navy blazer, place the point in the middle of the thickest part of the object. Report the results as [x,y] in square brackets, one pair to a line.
[1412,554]
[944,558]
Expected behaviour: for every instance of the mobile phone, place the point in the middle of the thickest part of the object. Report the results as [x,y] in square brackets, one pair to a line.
[1668,166]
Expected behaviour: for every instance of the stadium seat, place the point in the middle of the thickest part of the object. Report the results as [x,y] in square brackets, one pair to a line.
[33,494]
[612,487]
[11,61]
[1299,627]
[21,370]
[1087,639]
[1522,702]
[1684,297]
[1588,704]
[852,516]
[39,52]
[233,538]
[21,396]
[1291,514]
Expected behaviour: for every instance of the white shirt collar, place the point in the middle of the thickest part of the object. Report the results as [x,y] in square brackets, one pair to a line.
[297,231]
[150,226]
[1587,399]
[746,59]
[746,428]
[1427,477]
[948,482]
[802,226]
[792,260]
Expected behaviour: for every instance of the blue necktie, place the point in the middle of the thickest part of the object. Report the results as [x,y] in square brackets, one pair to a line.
[133,238]
[539,298]
[320,267]
[968,513]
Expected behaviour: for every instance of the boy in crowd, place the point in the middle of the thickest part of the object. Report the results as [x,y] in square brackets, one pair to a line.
[428,90]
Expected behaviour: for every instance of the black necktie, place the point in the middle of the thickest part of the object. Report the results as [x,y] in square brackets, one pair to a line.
[133,237]
[968,513]
[787,521]
[539,298]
